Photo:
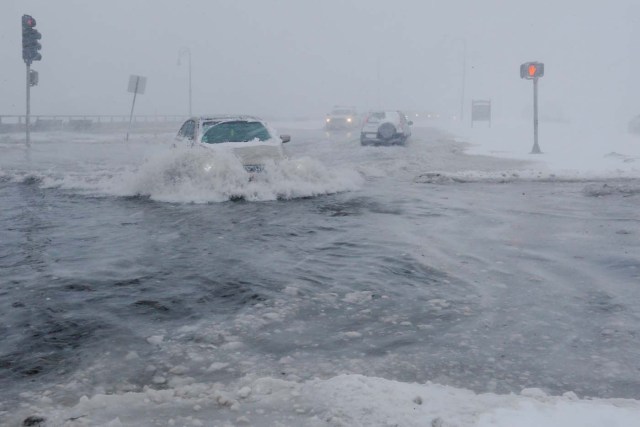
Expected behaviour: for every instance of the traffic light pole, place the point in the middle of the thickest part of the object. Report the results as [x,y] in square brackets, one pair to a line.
[533,71]
[30,48]
[28,117]
[536,147]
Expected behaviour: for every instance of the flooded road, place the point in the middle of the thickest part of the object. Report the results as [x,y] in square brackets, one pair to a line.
[122,267]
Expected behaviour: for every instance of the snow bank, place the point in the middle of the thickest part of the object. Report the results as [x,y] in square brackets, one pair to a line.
[568,149]
[345,400]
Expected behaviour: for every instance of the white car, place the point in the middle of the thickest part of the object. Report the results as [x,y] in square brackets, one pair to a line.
[249,138]
[385,128]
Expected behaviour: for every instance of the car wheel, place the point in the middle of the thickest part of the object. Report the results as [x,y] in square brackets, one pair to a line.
[386,131]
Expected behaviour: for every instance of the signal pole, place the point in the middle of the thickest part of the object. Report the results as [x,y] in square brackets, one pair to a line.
[28,117]
[533,71]
[536,147]
[30,48]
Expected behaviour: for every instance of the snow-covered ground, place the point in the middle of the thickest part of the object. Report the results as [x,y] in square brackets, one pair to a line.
[569,149]
[344,400]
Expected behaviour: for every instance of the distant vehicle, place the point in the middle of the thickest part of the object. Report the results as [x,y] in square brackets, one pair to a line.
[342,118]
[385,128]
[248,137]
[634,125]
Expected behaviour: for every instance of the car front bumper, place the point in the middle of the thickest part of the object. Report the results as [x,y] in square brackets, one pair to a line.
[339,124]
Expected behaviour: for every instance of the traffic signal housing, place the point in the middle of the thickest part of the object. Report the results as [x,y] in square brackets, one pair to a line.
[531,70]
[33,78]
[30,43]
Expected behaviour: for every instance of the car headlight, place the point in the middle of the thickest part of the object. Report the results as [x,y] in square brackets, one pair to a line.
[328,120]
[349,119]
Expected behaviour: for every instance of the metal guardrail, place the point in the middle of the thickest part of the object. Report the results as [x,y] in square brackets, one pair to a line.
[83,122]
[21,118]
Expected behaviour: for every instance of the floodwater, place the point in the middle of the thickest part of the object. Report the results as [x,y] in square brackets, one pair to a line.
[125,266]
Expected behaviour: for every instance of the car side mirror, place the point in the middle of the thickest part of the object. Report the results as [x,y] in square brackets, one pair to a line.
[285,138]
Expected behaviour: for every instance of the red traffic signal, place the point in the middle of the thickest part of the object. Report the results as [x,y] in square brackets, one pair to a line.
[531,70]
[28,21]
[30,37]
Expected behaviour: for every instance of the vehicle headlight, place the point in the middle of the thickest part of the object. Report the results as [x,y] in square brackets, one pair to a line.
[207,167]
[349,119]
[328,119]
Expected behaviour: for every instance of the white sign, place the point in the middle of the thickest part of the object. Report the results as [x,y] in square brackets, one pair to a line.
[137,84]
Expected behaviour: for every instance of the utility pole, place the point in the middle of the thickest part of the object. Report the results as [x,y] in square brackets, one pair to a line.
[464,78]
[378,100]
[183,51]
[463,83]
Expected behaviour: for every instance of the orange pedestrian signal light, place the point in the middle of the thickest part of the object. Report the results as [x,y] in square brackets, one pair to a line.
[531,70]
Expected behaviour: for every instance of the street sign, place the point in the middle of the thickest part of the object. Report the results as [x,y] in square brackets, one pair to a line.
[137,84]
[533,71]
[480,111]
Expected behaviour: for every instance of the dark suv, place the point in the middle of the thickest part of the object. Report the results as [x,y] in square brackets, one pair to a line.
[341,118]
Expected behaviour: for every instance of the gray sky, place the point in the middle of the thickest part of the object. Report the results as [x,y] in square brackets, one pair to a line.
[300,57]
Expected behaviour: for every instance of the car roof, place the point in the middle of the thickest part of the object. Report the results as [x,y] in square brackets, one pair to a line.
[390,113]
[227,117]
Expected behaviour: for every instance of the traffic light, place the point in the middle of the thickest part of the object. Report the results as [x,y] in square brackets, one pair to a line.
[30,37]
[33,78]
[531,70]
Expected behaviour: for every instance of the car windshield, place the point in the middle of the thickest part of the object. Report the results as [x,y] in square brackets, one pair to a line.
[236,131]
[208,124]
[342,112]
[392,116]
[376,117]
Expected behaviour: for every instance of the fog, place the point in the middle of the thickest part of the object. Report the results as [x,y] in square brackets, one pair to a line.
[291,58]
[445,275]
